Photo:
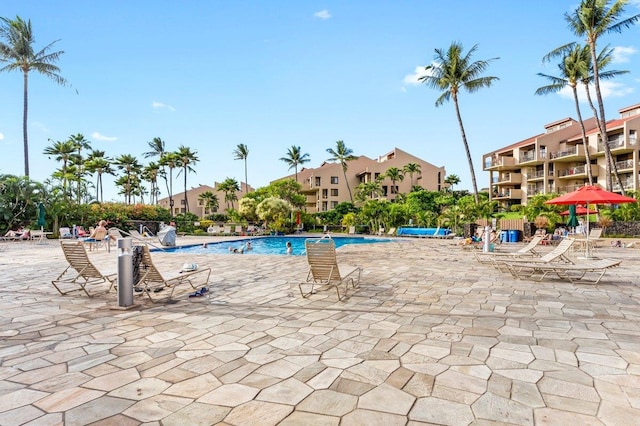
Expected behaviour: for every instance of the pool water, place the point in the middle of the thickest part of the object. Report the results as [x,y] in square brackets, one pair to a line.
[269,245]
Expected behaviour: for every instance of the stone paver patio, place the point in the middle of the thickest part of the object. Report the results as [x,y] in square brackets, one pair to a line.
[430,337]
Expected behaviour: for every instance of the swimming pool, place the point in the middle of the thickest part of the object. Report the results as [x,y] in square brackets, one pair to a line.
[269,245]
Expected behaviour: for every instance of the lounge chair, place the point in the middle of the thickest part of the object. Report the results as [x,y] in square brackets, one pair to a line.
[151,280]
[572,272]
[238,230]
[100,239]
[323,267]
[226,230]
[139,237]
[80,272]
[520,269]
[65,232]
[391,232]
[527,251]
[352,230]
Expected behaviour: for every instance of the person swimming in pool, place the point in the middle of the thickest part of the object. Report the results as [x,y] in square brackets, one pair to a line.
[289,248]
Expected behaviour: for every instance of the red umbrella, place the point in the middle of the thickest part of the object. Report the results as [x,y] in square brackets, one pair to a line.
[591,194]
[580,211]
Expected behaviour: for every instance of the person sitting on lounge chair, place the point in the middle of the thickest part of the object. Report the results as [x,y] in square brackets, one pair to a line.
[14,234]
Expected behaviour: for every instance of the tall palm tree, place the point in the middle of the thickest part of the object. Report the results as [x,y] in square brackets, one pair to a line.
[452,180]
[80,143]
[591,19]
[294,158]
[131,168]
[170,160]
[63,151]
[16,49]
[158,149]
[342,155]
[395,174]
[574,69]
[411,169]
[451,73]
[369,190]
[241,153]
[150,173]
[186,158]
[100,165]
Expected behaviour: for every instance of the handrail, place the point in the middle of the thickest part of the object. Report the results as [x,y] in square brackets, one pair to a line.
[138,239]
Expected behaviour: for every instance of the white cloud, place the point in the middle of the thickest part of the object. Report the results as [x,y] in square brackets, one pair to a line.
[608,89]
[100,137]
[413,79]
[621,54]
[1,136]
[323,14]
[160,105]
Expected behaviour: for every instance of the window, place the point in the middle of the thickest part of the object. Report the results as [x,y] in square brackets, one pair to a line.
[324,206]
[182,202]
[325,193]
[317,181]
[334,180]
[334,204]
[376,176]
[334,192]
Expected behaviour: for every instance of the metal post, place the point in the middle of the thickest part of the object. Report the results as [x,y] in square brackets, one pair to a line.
[125,272]
[487,238]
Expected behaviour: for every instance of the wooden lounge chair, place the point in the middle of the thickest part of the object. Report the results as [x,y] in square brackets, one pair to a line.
[527,251]
[139,237]
[572,272]
[81,272]
[152,281]
[323,267]
[100,239]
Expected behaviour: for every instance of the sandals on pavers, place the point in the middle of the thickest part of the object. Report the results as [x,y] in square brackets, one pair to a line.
[199,293]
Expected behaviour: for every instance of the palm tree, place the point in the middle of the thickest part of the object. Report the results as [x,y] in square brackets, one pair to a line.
[158,149]
[129,181]
[451,73]
[100,165]
[411,169]
[229,186]
[170,160]
[64,152]
[342,155]
[369,190]
[80,143]
[241,153]
[210,201]
[150,173]
[452,180]
[17,51]
[395,174]
[574,68]
[186,158]
[295,157]
[591,19]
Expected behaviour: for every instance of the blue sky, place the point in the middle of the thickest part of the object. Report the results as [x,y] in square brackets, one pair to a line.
[212,74]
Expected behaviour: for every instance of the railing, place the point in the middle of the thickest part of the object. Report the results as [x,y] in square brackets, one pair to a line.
[527,156]
[565,153]
[626,164]
[578,170]
[626,184]
[613,143]
[536,174]
[501,161]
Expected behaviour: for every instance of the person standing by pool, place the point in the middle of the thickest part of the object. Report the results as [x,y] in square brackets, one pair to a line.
[289,248]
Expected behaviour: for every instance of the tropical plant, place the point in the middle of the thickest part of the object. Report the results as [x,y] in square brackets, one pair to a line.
[452,180]
[100,165]
[210,201]
[186,158]
[229,186]
[289,190]
[591,19]
[80,143]
[62,151]
[395,175]
[342,155]
[368,190]
[274,212]
[169,160]
[451,73]
[241,153]
[247,208]
[129,181]
[150,174]
[294,158]
[158,149]
[17,50]
[19,197]
[411,169]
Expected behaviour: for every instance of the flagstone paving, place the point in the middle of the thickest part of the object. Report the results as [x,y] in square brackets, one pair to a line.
[430,337]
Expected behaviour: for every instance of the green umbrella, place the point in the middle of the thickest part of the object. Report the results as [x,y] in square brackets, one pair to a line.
[41,213]
[572,222]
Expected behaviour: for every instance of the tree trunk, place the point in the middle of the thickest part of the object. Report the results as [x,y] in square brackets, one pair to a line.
[186,202]
[25,136]
[466,148]
[584,135]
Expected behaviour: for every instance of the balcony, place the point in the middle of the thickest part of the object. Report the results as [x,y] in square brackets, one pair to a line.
[574,153]
[509,178]
[577,172]
[615,143]
[534,190]
[624,165]
[508,194]
[499,163]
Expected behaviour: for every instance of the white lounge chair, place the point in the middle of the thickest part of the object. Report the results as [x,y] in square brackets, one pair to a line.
[527,251]
[80,272]
[572,272]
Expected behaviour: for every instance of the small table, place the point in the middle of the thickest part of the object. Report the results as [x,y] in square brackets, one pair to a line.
[39,237]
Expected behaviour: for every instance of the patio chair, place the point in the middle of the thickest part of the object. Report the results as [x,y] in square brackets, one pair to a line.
[391,232]
[81,272]
[518,268]
[100,239]
[572,272]
[324,270]
[527,251]
[137,236]
[152,281]
[237,230]
[226,230]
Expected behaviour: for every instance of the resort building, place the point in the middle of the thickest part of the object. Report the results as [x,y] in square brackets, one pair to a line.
[555,161]
[325,186]
[197,205]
